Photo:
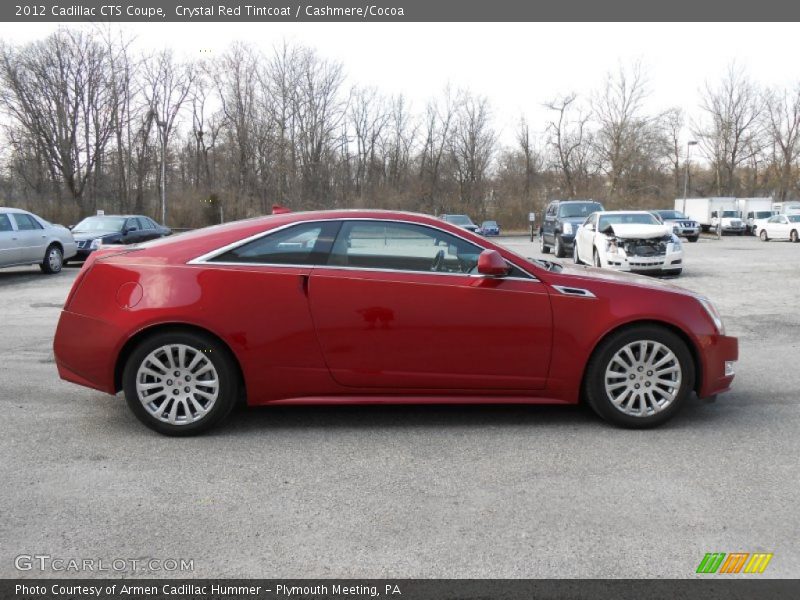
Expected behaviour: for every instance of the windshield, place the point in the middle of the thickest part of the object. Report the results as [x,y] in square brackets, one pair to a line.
[763,214]
[100,224]
[579,209]
[671,214]
[794,218]
[490,223]
[729,214]
[627,219]
[458,219]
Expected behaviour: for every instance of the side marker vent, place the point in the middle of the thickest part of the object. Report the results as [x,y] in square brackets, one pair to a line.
[573,291]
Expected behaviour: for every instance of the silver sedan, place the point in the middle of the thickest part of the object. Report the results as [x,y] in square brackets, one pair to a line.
[27,239]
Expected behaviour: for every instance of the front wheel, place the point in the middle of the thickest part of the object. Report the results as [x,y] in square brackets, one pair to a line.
[542,246]
[672,272]
[639,377]
[793,236]
[693,238]
[180,383]
[575,256]
[596,260]
[763,235]
[53,260]
[559,247]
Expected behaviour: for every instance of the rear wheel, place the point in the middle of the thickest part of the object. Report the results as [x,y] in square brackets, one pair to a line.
[763,235]
[793,235]
[180,383]
[53,260]
[542,246]
[639,377]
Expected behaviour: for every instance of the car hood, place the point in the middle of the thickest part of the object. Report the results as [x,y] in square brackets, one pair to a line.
[597,274]
[639,231]
[80,236]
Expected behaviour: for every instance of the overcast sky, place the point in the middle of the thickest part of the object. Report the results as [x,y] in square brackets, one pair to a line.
[517,65]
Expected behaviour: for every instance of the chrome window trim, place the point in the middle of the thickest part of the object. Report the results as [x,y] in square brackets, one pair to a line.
[205,259]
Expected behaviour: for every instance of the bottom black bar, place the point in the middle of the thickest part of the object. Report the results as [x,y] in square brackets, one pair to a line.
[400,589]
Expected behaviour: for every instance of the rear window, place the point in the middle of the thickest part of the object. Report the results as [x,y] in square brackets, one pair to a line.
[302,244]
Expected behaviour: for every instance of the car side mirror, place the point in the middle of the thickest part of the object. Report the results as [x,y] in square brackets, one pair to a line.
[492,264]
[70,227]
[589,226]
[128,230]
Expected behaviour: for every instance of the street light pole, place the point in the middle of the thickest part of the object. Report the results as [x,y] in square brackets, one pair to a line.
[689,145]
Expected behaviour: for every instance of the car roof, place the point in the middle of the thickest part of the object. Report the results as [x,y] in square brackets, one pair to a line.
[577,201]
[13,210]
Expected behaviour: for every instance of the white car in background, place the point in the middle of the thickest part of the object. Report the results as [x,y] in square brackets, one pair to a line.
[780,227]
[628,241]
[27,239]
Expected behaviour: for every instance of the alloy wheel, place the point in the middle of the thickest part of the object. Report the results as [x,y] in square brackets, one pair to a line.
[177,384]
[643,378]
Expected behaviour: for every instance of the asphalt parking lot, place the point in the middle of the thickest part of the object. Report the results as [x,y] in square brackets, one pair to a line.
[414,491]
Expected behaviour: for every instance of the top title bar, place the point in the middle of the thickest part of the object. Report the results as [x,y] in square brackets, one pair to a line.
[397,11]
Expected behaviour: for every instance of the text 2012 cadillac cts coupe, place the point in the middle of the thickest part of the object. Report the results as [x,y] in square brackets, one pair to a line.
[377,307]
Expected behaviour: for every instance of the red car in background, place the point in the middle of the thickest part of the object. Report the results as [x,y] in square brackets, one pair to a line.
[377,307]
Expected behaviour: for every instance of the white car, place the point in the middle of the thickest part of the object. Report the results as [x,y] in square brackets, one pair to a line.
[628,241]
[27,239]
[780,227]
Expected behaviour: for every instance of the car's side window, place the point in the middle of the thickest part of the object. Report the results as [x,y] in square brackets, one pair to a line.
[302,244]
[5,223]
[402,247]
[406,247]
[146,223]
[26,222]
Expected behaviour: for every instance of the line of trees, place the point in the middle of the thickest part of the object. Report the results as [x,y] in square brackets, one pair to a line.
[89,123]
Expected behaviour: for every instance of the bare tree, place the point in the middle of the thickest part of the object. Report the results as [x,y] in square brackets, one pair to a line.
[782,128]
[729,132]
[167,85]
[57,92]
[473,146]
[569,139]
[623,128]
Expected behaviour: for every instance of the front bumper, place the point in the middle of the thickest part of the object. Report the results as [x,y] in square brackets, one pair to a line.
[716,351]
[687,231]
[646,264]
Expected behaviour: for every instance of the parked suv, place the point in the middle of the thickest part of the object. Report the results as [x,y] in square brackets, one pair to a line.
[560,221]
[682,226]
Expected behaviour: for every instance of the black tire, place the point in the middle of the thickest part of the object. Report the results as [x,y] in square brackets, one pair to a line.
[763,235]
[559,247]
[218,355]
[53,260]
[693,238]
[594,384]
[793,236]
[672,272]
[542,246]
[575,256]
[596,260]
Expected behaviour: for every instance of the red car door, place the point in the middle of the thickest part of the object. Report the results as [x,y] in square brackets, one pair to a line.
[399,305]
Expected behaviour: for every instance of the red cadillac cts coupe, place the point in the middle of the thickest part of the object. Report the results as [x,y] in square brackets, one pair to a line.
[378,307]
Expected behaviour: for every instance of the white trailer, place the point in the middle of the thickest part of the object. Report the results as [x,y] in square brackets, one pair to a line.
[786,208]
[710,211]
[754,209]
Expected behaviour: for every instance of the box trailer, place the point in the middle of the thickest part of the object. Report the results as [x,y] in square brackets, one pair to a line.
[754,209]
[710,212]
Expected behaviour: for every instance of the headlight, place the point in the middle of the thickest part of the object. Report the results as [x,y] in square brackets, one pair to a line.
[676,243]
[712,312]
[611,247]
[96,243]
[567,228]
